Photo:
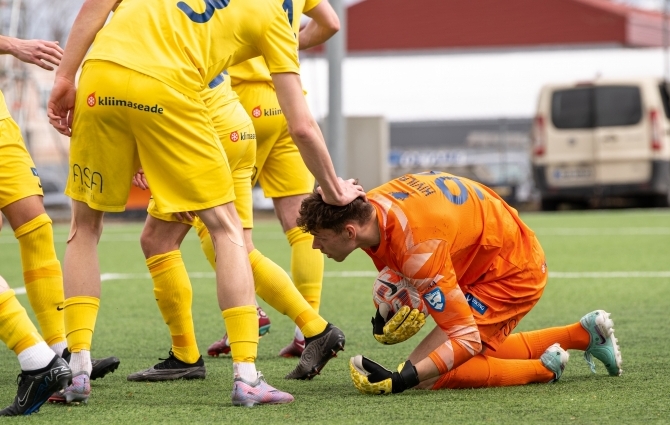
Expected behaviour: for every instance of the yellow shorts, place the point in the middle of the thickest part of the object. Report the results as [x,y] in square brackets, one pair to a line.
[280,170]
[240,147]
[123,119]
[18,175]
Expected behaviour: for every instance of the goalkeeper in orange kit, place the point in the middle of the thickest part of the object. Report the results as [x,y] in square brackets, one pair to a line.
[479,270]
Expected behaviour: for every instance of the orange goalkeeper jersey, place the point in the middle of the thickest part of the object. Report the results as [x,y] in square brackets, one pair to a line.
[448,234]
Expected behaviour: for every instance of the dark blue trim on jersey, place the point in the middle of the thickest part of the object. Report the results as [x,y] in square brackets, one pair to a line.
[288,7]
[215,82]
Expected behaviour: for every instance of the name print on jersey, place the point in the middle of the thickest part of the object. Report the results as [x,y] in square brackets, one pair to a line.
[92,101]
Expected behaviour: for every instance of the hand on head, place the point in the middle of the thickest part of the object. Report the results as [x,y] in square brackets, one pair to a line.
[349,190]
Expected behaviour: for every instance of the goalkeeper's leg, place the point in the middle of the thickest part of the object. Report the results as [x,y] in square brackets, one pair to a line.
[486,371]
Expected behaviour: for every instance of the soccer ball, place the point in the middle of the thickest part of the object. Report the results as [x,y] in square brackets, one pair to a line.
[392,291]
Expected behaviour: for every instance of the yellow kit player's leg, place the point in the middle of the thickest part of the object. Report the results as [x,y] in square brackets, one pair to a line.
[283,176]
[307,266]
[161,237]
[16,329]
[43,277]
[174,296]
[275,287]
[21,202]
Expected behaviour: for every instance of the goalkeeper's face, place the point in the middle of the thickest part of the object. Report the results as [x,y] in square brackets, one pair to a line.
[335,245]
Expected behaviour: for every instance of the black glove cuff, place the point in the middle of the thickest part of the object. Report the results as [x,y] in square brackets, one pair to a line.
[378,323]
[406,378]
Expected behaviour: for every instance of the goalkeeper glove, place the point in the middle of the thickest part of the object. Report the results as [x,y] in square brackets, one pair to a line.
[401,327]
[372,378]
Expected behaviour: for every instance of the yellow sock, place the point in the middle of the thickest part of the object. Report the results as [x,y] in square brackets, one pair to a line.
[275,287]
[16,329]
[242,327]
[306,266]
[43,276]
[174,297]
[80,315]
[206,243]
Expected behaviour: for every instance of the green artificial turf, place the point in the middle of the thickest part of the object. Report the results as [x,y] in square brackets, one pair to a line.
[130,326]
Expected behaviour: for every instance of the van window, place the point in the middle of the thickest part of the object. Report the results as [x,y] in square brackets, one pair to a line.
[601,106]
[618,105]
[572,108]
[666,98]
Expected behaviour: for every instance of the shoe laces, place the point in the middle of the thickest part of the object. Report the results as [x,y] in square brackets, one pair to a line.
[20,378]
[167,363]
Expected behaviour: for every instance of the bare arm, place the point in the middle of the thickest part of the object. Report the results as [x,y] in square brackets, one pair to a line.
[324,24]
[309,140]
[38,52]
[91,18]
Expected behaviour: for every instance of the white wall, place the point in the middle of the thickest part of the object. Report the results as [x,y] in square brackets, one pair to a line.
[467,85]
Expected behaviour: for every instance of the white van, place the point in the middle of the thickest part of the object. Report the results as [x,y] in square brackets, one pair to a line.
[600,139]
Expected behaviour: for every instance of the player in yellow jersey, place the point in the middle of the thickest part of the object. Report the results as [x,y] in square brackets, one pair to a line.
[139,103]
[21,202]
[162,236]
[280,170]
[41,368]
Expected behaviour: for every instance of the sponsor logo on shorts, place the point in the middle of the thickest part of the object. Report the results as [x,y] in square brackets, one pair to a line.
[479,306]
[87,177]
[234,136]
[257,112]
[435,298]
[248,136]
[92,101]
[271,112]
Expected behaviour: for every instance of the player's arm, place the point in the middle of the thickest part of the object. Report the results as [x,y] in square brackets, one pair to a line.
[308,138]
[448,307]
[324,24]
[91,18]
[38,52]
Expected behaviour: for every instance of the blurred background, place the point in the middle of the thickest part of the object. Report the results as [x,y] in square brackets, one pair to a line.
[556,104]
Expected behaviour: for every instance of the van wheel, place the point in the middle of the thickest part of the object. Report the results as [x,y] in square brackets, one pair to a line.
[549,204]
[661,201]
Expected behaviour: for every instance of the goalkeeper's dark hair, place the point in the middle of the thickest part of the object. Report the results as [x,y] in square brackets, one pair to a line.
[316,214]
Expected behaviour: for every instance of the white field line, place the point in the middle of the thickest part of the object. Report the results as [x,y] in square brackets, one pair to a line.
[129,237]
[542,231]
[603,231]
[106,277]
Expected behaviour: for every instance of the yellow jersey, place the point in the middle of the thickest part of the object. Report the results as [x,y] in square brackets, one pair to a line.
[4,111]
[256,69]
[186,44]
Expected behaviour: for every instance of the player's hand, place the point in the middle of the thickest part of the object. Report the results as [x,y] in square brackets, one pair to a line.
[38,52]
[60,108]
[349,190]
[140,180]
[401,327]
[372,378]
